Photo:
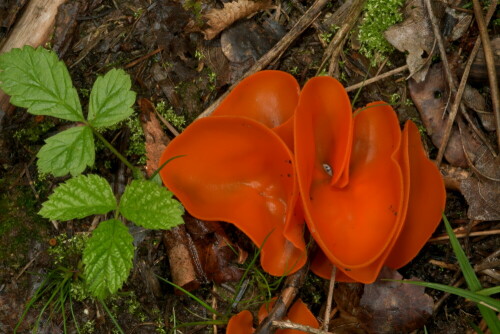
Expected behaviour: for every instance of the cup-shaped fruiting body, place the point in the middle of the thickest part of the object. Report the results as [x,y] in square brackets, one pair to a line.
[299,313]
[368,192]
[237,170]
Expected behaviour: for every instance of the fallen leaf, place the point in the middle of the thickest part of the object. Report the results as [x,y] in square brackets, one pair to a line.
[220,19]
[482,190]
[245,42]
[430,98]
[483,198]
[475,101]
[414,35]
[385,307]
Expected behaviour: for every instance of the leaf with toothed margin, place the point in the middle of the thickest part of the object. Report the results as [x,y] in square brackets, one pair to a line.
[108,258]
[150,205]
[79,197]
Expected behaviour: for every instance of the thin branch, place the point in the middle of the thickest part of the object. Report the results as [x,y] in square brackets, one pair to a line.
[287,324]
[377,78]
[463,235]
[461,88]
[305,21]
[328,309]
[490,62]
[287,296]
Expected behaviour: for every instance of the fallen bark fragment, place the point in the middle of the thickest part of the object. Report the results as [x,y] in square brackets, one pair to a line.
[197,251]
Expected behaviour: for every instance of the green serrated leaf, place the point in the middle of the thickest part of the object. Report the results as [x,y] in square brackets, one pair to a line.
[79,197]
[111,99]
[108,258]
[70,151]
[150,205]
[37,80]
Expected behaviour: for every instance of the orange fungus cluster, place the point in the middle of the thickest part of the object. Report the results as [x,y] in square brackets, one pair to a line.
[273,157]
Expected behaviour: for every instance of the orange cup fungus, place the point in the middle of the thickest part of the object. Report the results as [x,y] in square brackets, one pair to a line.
[272,156]
[299,313]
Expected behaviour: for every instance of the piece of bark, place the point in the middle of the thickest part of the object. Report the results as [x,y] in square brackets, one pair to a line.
[198,251]
[33,28]
[182,266]
[215,252]
[66,24]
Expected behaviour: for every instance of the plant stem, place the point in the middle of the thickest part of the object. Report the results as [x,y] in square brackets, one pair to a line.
[135,171]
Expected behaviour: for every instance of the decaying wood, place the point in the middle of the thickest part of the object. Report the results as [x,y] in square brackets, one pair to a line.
[490,61]
[33,28]
[292,285]
[198,251]
[332,52]
[280,47]
[182,266]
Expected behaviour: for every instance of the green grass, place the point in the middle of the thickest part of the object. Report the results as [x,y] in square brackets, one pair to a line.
[487,305]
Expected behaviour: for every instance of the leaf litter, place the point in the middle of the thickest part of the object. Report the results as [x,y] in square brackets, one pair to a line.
[107,33]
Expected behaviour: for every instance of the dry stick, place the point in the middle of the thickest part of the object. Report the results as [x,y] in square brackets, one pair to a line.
[33,28]
[316,25]
[490,62]
[280,47]
[333,49]
[292,285]
[330,298]
[287,324]
[460,91]
[146,56]
[449,76]
[463,235]
[341,36]
[377,78]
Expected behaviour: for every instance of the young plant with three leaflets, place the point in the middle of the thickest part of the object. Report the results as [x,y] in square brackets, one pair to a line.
[38,81]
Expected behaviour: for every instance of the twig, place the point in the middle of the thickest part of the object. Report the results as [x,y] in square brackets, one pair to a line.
[316,25]
[377,78]
[490,62]
[287,324]
[449,76]
[333,50]
[27,266]
[140,59]
[287,296]
[461,88]
[280,47]
[326,322]
[463,235]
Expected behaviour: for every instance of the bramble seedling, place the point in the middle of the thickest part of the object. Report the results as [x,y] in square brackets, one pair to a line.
[38,81]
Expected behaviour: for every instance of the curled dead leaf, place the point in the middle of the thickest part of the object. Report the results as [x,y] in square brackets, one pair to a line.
[414,35]
[431,98]
[385,307]
[220,19]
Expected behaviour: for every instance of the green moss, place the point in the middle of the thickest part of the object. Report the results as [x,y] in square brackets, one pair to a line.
[178,121]
[378,16]
[20,224]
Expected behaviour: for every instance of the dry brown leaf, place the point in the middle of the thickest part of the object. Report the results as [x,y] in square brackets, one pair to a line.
[482,190]
[386,307]
[430,98]
[220,19]
[414,35]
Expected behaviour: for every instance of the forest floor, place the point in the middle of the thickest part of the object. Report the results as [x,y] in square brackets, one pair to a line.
[161,45]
